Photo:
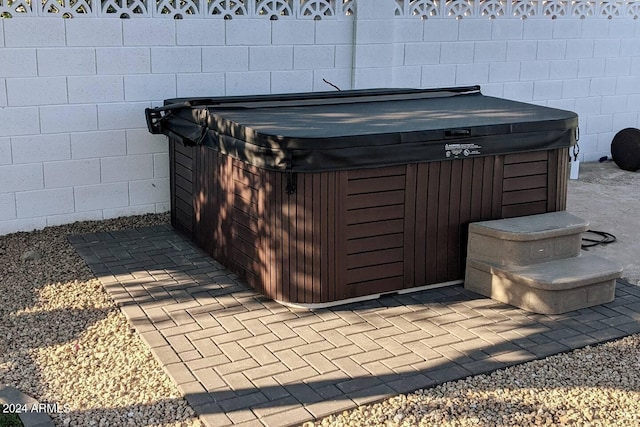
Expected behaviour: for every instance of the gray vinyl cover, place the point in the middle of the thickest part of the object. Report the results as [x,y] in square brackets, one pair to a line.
[365,128]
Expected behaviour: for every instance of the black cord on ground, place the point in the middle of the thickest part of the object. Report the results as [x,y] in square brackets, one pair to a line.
[605,239]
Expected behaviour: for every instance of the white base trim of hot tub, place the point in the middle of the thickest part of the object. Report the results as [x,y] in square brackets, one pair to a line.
[318,306]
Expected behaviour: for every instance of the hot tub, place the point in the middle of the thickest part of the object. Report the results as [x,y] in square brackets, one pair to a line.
[323,198]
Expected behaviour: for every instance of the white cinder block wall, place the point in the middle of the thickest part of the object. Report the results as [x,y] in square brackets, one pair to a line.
[73,140]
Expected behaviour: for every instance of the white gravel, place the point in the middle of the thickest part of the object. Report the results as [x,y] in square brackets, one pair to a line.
[67,343]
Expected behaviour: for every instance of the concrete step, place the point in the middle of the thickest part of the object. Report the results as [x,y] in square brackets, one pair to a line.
[526,240]
[552,287]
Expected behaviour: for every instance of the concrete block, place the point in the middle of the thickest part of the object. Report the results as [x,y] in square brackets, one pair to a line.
[474,29]
[140,141]
[518,91]
[154,87]
[595,28]
[521,50]
[40,148]
[408,31]
[149,32]
[5,151]
[225,58]
[622,29]
[34,32]
[547,89]
[407,76]
[567,28]
[635,65]
[340,77]
[376,9]
[176,59]
[126,168]
[625,120]
[602,86]
[551,49]
[199,32]
[270,58]
[247,32]
[68,118]
[161,165]
[504,71]
[593,67]
[3,93]
[44,202]
[628,84]
[367,78]
[537,29]
[563,104]
[248,83]
[421,53]
[293,32]
[149,191]
[200,84]
[441,30]
[18,62]
[629,47]
[507,29]
[313,57]
[578,49]
[586,107]
[606,48]
[617,66]
[128,211]
[457,53]
[374,31]
[122,115]
[124,60]
[94,32]
[292,81]
[19,121]
[614,104]
[534,70]
[599,123]
[575,88]
[563,69]
[2,33]
[71,173]
[86,145]
[7,206]
[491,51]
[472,74]
[95,89]
[28,224]
[66,61]
[334,32]
[434,76]
[54,220]
[344,56]
[21,177]
[101,196]
[36,91]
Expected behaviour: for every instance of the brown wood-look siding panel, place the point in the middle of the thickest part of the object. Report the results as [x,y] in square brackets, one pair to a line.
[385,171]
[374,243]
[498,179]
[368,200]
[366,287]
[524,209]
[465,211]
[340,205]
[453,229]
[562,181]
[476,189]
[532,156]
[280,238]
[386,183]
[420,249]
[357,231]
[365,259]
[369,215]
[552,176]
[318,237]
[525,182]
[525,169]
[332,252]
[432,222]
[382,271]
[487,188]
[183,158]
[184,173]
[525,196]
[409,225]
[443,221]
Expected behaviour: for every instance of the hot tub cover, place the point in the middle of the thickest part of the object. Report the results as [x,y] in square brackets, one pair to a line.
[322,131]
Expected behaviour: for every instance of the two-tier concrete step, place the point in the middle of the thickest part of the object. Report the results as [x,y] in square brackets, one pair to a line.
[534,263]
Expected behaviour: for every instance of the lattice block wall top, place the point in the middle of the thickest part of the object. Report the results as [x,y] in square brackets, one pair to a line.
[179,9]
[321,9]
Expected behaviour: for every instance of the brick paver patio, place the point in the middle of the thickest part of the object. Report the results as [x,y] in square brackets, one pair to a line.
[241,359]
